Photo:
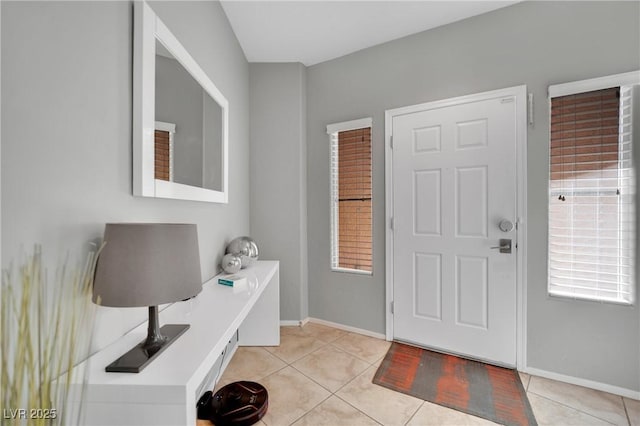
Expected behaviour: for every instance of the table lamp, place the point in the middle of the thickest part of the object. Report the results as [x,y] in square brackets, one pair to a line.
[147,264]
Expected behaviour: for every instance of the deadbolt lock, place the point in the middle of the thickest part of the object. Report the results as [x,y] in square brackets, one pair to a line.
[505,225]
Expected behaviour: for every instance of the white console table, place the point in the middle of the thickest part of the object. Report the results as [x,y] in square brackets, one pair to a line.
[166,391]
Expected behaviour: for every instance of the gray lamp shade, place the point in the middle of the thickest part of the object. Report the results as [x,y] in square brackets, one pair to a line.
[147,264]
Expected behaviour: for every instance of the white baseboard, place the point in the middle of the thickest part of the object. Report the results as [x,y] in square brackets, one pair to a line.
[294,323]
[616,390]
[290,323]
[347,328]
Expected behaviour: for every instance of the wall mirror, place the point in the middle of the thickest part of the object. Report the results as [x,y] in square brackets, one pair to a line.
[181,119]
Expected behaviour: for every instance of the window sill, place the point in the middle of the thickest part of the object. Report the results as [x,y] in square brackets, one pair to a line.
[564,296]
[352,271]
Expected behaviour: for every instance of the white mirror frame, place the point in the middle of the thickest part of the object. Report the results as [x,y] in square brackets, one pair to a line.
[147,29]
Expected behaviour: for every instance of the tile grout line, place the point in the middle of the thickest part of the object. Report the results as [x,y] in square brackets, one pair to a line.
[335,394]
[311,409]
[414,414]
[331,343]
[356,408]
[352,354]
[331,393]
[526,388]
[353,379]
[299,358]
[310,378]
[290,364]
[347,402]
[568,406]
[626,411]
[346,383]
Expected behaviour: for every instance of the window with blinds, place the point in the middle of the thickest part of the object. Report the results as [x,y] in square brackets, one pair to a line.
[351,208]
[591,194]
[161,157]
[163,150]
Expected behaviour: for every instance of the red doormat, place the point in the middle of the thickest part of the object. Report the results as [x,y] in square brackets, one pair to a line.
[472,387]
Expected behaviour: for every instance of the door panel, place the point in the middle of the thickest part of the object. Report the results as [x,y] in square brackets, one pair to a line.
[471,202]
[428,288]
[454,179]
[471,291]
[427,219]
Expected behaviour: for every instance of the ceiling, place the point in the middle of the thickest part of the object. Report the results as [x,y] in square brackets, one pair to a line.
[310,31]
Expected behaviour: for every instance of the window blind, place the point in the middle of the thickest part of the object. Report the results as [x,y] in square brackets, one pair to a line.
[591,196]
[351,212]
[162,155]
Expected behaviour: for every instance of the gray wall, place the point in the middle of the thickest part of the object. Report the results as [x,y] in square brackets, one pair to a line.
[278,177]
[66,133]
[532,43]
[179,101]
[212,173]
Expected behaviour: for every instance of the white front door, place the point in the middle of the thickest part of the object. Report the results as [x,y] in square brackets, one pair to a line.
[454,182]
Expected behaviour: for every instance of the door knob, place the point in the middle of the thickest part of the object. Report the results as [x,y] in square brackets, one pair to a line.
[505,225]
[505,246]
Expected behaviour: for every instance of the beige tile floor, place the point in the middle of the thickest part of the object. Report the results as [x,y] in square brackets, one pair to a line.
[322,376]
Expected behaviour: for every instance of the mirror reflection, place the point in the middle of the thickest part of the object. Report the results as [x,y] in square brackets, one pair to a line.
[189,127]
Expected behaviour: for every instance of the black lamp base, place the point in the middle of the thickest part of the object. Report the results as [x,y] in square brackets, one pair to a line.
[142,354]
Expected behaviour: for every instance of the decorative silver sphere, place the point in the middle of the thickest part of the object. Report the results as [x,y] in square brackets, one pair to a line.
[246,248]
[231,263]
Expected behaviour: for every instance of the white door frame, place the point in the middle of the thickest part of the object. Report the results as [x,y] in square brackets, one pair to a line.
[520,93]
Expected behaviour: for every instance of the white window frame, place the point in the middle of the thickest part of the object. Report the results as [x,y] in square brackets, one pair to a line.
[332,131]
[622,80]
